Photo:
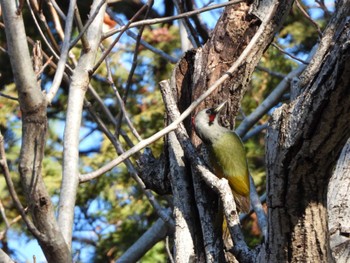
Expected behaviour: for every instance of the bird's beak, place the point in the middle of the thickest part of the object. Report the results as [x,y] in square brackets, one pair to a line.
[219,107]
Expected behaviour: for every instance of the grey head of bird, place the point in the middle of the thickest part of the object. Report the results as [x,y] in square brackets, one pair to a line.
[207,126]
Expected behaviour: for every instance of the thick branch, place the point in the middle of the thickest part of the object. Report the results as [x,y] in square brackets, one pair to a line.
[77,90]
[183,202]
[33,107]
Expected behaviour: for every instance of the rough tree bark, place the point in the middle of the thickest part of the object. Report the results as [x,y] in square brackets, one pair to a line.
[338,205]
[304,140]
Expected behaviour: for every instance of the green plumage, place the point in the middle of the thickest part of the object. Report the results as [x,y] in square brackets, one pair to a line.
[228,159]
[227,155]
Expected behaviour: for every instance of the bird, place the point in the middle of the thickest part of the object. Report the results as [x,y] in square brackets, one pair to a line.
[226,154]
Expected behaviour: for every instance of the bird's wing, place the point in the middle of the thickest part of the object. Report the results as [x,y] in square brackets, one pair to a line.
[230,162]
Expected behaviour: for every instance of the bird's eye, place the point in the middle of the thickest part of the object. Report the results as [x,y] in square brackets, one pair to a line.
[208,111]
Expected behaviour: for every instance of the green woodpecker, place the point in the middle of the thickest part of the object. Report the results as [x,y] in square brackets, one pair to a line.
[226,154]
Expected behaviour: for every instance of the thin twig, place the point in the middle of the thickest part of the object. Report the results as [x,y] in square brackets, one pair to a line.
[131,73]
[56,20]
[13,221]
[170,18]
[8,96]
[3,214]
[187,25]
[58,9]
[143,42]
[272,73]
[86,26]
[168,251]
[324,8]
[134,60]
[42,33]
[303,11]
[64,53]
[109,114]
[105,54]
[121,105]
[171,127]
[82,34]
[289,54]
[38,12]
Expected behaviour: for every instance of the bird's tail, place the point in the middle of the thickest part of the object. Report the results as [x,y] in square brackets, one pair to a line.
[242,202]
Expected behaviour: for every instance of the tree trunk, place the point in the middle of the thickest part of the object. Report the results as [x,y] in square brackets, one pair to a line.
[303,143]
[33,108]
[338,205]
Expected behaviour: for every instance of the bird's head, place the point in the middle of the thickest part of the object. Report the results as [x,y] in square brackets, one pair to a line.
[206,121]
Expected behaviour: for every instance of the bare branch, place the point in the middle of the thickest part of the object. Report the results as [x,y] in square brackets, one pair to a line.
[3,160]
[78,87]
[273,98]
[125,114]
[324,8]
[58,9]
[117,145]
[56,20]
[258,208]
[134,60]
[289,54]
[166,19]
[272,73]
[42,34]
[36,11]
[303,11]
[34,128]
[82,34]
[183,205]
[143,43]
[8,96]
[64,53]
[13,221]
[18,51]
[188,27]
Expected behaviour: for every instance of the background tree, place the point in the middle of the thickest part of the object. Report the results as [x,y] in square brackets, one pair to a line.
[80,102]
